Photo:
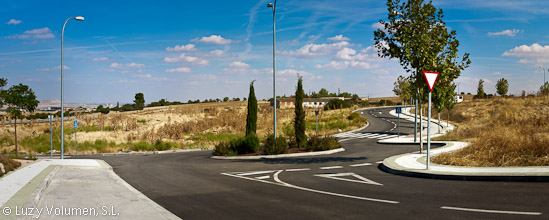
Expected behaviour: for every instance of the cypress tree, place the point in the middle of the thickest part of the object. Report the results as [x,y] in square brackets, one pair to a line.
[299,121]
[251,117]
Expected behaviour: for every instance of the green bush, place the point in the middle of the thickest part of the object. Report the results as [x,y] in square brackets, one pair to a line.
[353,116]
[224,149]
[275,146]
[141,146]
[250,144]
[322,143]
[336,104]
[161,146]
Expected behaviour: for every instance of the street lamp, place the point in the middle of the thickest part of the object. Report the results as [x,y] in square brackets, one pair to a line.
[270,5]
[543,74]
[78,18]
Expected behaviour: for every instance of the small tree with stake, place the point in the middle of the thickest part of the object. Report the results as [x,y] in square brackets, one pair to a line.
[299,121]
[19,97]
[251,117]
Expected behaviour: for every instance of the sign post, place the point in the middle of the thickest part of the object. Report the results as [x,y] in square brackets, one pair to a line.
[75,142]
[51,136]
[398,110]
[431,78]
[316,113]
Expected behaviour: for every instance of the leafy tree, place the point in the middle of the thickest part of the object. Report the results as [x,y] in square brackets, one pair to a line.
[238,99]
[416,35]
[402,88]
[323,92]
[480,89]
[226,99]
[3,82]
[251,117]
[544,89]
[299,121]
[355,98]
[336,104]
[19,97]
[502,86]
[139,101]
[345,95]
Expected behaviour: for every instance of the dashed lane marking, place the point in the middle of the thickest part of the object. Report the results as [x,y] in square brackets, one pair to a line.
[297,170]
[379,162]
[255,173]
[490,211]
[330,168]
[360,165]
[263,177]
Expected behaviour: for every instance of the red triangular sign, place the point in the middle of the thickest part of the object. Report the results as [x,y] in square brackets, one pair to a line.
[431,78]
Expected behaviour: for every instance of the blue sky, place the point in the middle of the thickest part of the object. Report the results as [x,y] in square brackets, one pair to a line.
[182,50]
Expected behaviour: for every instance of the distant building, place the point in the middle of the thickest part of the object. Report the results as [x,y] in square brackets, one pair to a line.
[284,103]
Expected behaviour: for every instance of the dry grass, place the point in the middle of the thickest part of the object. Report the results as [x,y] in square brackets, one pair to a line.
[188,126]
[503,132]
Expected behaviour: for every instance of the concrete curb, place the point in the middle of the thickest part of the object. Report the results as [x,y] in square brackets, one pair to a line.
[144,152]
[413,165]
[307,154]
[37,193]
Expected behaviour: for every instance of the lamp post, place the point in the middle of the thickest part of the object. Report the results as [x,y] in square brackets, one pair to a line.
[78,18]
[543,74]
[270,5]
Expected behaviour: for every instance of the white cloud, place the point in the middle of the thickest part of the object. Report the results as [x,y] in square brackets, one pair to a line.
[530,54]
[317,49]
[143,76]
[339,38]
[40,33]
[239,65]
[292,72]
[14,22]
[187,59]
[495,73]
[217,53]
[214,39]
[127,65]
[508,32]
[65,67]
[100,59]
[342,65]
[345,54]
[188,47]
[378,25]
[179,70]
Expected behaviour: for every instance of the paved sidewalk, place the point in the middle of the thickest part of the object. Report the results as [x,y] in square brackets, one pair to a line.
[74,189]
[414,164]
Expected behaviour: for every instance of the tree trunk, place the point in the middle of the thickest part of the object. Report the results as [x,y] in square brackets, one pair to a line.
[16,150]
[439,122]
[420,125]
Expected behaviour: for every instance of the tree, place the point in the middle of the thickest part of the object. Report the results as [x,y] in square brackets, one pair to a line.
[416,35]
[402,88]
[3,82]
[251,117]
[543,90]
[480,89]
[139,101]
[226,99]
[299,120]
[323,92]
[355,98]
[502,86]
[19,97]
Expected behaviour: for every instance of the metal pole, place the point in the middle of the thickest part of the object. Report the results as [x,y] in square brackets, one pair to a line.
[62,107]
[51,137]
[398,135]
[316,124]
[75,142]
[420,127]
[274,70]
[429,133]
[415,124]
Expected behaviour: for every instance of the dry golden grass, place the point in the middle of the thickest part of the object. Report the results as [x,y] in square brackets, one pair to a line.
[502,132]
[190,125]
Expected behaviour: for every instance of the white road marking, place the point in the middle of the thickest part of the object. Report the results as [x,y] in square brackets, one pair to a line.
[296,170]
[361,179]
[255,173]
[329,168]
[360,165]
[379,162]
[263,177]
[329,193]
[490,211]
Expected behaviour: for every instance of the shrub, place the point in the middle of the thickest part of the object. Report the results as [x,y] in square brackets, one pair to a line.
[336,104]
[275,146]
[142,146]
[353,116]
[224,148]
[161,146]
[9,164]
[322,143]
[250,144]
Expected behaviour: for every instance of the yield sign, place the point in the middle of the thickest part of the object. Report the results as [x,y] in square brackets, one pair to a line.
[431,78]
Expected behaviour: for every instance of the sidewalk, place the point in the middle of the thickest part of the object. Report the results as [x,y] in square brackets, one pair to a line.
[74,189]
[414,164]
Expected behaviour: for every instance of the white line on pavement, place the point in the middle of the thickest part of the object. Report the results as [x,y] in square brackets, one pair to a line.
[379,162]
[329,168]
[254,173]
[490,211]
[296,170]
[262,177]
[362,164]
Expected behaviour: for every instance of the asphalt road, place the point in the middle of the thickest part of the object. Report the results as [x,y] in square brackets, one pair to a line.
[347,185]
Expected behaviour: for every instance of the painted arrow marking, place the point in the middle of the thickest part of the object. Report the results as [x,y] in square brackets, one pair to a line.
[358,178]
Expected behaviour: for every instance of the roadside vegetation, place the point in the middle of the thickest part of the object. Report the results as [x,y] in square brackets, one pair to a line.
[9,165]
[502,132]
